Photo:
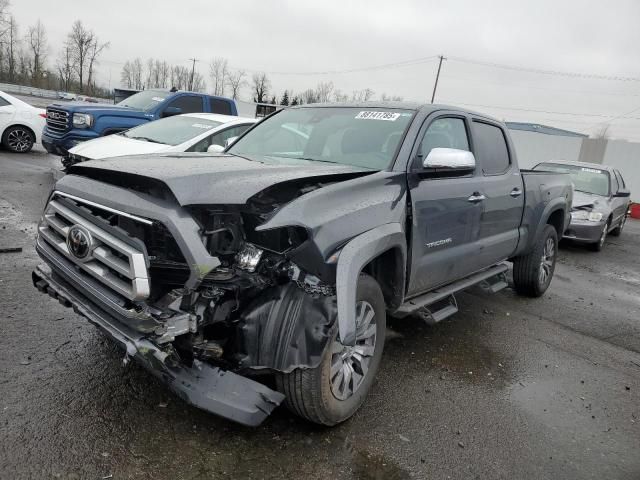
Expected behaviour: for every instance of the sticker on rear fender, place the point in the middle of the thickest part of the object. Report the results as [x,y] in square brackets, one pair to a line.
[388,116]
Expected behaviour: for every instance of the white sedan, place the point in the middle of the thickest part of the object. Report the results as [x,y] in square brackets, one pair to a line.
[191,132]
[20,123]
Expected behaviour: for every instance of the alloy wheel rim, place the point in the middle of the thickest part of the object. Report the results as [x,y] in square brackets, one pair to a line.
[350,364]
[603,236]
[546,263]
[19,140]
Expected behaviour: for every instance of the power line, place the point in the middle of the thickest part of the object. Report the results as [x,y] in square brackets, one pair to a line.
[533,87]
[406,63]
[498,107]
[593,76]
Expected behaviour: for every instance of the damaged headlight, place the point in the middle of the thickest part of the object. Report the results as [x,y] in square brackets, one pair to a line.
[586,215]
[249,257]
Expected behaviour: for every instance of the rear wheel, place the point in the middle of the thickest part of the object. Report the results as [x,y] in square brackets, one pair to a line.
[18,139]
[597,246]
[333,391]
[532,273]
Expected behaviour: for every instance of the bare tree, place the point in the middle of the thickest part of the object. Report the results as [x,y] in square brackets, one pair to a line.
[65,67]
[338,96]
[390,98]
[235,81]
[95,49]
[12,47]
[198,84]
[219,74]
[37,44]
[126,75]
[260,86]
[363,95]
[80,41]
[137,72]
[309,96]
[323,92]
[162,73]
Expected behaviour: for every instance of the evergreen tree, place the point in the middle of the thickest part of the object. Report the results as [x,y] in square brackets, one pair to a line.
[285,98]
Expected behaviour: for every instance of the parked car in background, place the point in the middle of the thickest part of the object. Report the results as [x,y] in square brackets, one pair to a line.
[193,132]
[600,201]
[69,124]
[20,124]
[67,96]
[284,255]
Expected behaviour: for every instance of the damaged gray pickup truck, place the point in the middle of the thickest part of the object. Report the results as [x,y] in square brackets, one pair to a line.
[266,273]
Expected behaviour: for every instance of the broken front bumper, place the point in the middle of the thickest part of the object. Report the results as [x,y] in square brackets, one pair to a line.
[217,391]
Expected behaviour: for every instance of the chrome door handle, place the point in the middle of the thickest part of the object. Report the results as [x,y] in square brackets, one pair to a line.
[516,192]
[476,197]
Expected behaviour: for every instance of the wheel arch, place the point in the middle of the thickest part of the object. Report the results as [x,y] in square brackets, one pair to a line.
[35,137]
[382,247]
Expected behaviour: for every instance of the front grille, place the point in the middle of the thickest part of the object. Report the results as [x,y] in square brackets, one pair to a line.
[118,264]
[57,120]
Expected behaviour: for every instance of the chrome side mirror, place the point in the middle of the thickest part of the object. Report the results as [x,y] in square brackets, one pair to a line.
[450,159]
[215,148]
[229,142]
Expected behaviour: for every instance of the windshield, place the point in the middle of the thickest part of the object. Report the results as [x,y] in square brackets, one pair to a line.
[350,136]
[172,130]
[585,179]
[145,100]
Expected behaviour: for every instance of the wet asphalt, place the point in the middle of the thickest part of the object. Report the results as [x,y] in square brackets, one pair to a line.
[508,388]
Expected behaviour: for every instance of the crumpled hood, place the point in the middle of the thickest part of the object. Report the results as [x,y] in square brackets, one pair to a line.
[213,179]
[584,200]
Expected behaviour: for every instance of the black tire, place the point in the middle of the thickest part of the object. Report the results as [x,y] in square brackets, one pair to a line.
[618,230]
[18,139]
[599,245]
[527,277]
[309,393]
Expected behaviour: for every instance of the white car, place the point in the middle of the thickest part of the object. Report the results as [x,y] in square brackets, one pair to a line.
[190,132]
[20,123]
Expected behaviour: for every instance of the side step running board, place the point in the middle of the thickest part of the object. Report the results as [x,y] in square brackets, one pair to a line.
[442,293]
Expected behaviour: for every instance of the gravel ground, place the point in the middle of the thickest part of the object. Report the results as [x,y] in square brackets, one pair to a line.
[507,388]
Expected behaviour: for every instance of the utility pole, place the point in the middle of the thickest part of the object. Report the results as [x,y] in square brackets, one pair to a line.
[435,86]
[193,71]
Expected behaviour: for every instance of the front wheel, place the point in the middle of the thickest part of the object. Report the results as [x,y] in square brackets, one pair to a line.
[335,389]
[599,245]
[18,139]
[532,273]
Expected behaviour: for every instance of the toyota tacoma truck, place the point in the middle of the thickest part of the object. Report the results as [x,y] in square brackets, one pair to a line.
[69,124]
[266,273]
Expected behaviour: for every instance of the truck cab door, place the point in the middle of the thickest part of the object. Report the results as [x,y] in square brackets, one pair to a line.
[503,191]
[445,212]
[183,104]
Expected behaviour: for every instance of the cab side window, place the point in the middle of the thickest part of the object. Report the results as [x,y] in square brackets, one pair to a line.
[615,184]
[218,138]
[491,149]
[187,104]
[620,179]
[443,133]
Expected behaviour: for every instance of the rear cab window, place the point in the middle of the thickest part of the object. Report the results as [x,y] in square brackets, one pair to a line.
[491,150]
[218,105]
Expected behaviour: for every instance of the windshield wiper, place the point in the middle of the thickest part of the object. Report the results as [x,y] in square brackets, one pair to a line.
[147,139]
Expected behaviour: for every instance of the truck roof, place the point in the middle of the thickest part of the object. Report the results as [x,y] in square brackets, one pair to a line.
[599,166]
[415,106]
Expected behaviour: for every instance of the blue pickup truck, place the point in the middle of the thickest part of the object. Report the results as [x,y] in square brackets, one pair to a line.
[71,123]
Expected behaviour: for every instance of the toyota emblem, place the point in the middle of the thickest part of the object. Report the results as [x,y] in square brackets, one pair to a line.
[79,241]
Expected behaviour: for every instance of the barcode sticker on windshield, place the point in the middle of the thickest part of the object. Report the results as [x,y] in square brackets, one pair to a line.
[201,125]
[157,99]
[591,170]
[389,116]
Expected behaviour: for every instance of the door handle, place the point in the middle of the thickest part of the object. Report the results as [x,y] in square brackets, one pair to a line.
[516,192]
[476,197]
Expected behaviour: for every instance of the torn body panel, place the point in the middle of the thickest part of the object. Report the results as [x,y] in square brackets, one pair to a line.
[209,388]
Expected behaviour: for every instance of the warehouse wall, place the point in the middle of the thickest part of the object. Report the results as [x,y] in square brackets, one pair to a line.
[533,148]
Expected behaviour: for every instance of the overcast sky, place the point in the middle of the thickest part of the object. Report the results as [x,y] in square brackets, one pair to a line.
[574,36]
